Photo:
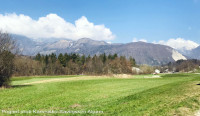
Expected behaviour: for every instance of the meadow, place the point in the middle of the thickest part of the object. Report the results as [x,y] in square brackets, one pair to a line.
[138,95]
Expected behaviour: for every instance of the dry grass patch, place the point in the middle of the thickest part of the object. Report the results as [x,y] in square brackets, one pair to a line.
[67,79]
[122,76]
[183,111]
[75,106]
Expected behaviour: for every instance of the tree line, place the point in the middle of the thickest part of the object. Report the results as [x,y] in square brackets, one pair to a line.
[182,65]
[72,64]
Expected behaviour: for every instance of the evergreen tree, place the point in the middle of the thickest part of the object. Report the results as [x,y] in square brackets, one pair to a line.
[110,56]
[83,59]
[53,58]
[114,56]
[78,59]
[62,60]
[38,57]
[46,59]
[104,58]
[74,57]
[132,60]
[67,57]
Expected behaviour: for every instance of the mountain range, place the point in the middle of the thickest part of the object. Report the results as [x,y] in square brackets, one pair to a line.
[144,53]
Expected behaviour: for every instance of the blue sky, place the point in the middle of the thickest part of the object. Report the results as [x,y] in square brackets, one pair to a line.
[152,20]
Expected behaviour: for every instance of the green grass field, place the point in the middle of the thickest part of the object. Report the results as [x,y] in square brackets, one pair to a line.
[172,94]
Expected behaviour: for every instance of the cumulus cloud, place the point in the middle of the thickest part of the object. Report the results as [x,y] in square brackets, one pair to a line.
[179,44]
[141,40]
[53,26]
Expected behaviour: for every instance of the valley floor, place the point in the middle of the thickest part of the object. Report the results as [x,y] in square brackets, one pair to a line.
[170,94]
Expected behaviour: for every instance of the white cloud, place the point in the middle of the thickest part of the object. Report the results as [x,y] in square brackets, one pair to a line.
[137,40]
[179,44]
[109,42]
[53,26]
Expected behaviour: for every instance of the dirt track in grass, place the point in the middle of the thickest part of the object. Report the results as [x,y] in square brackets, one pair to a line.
[66,79]
[88,78]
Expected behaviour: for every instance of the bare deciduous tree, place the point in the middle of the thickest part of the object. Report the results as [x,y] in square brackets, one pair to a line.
[6,58]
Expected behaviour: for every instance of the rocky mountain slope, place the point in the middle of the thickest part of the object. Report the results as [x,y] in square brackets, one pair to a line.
[195,53]
[144,53]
